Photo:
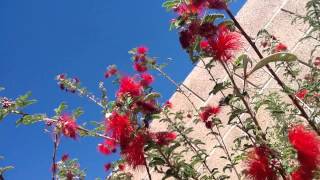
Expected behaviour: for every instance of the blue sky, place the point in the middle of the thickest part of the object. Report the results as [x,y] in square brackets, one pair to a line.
[42,38]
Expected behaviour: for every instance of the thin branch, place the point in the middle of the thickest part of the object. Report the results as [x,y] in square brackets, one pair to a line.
[55,147]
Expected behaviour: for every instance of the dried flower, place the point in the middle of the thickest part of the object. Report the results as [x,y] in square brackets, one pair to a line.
[107,166]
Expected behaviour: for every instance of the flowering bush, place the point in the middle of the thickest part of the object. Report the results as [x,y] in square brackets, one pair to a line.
[288,148]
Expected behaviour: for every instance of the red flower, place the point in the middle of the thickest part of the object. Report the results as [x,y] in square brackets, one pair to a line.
[168,104]
[140,67]
[307,145]
[129,86]
[208,111]
[133,153]
[164,138]
[65,157]
[224,43]
[302,93]
[107,166]
[68,126]
[280,47]
[258,166]
[112,70]
[186,9]
[204,44]
[302,174]
[217,4]
[107,147]
[142,50]
[120,127]
[69,175]
[146,79]
[121,167]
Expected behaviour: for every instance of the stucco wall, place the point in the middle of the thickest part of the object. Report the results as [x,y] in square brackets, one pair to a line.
[254,15]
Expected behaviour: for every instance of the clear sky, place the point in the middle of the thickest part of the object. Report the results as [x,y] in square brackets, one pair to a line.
[42,38]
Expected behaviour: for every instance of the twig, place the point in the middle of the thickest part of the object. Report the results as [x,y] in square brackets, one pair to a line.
[55,147]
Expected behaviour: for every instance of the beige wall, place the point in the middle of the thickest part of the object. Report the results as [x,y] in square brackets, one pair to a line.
[254,15]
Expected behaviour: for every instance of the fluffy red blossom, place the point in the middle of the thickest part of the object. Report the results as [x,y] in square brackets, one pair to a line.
[120,128]
[258,166]
[142,50]
[224,43]
[280,47]
[133,153]
[168,104]
[217,4]
[208,111]
[204,44]
[140,67]
[102,148]
[64,157]
[146,79]
[112,70]
[307,145]
[302,93]
[129,86]
[107,166]
[121,167]
[68,126]
[302,174]
[164,138]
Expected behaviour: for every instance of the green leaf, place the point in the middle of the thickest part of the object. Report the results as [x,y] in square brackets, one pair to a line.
[211,18]
[152,96]
[278,57]
[4,169]
[78,112]
[170,4]
[60,108]
[3,114]
[23,100]
[245,59]
[30,119]
[218,87]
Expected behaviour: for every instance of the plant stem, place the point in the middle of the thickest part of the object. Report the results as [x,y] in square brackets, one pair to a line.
[55,147]
[227,152]
[169,163]
[147,168]
[189,143]
[275,76]
[246,104]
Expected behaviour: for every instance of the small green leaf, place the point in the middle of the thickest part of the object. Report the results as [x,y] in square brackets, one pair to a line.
[30,119]
[60,108]
[211,18]
[278,57]
[152,96]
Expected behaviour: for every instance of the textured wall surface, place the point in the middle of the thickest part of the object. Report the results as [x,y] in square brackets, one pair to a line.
[271,15]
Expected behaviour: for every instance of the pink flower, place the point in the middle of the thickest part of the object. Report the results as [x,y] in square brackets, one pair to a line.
[164,138]
[204,44]
[107,147]
[302,93]
[133,152]
[168,104]
[258,165]
[317,61]
[65,157]
[68,126]
[280,47]
[142,50]
[146,79]
[107,166]
[224,44]
[129,86]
